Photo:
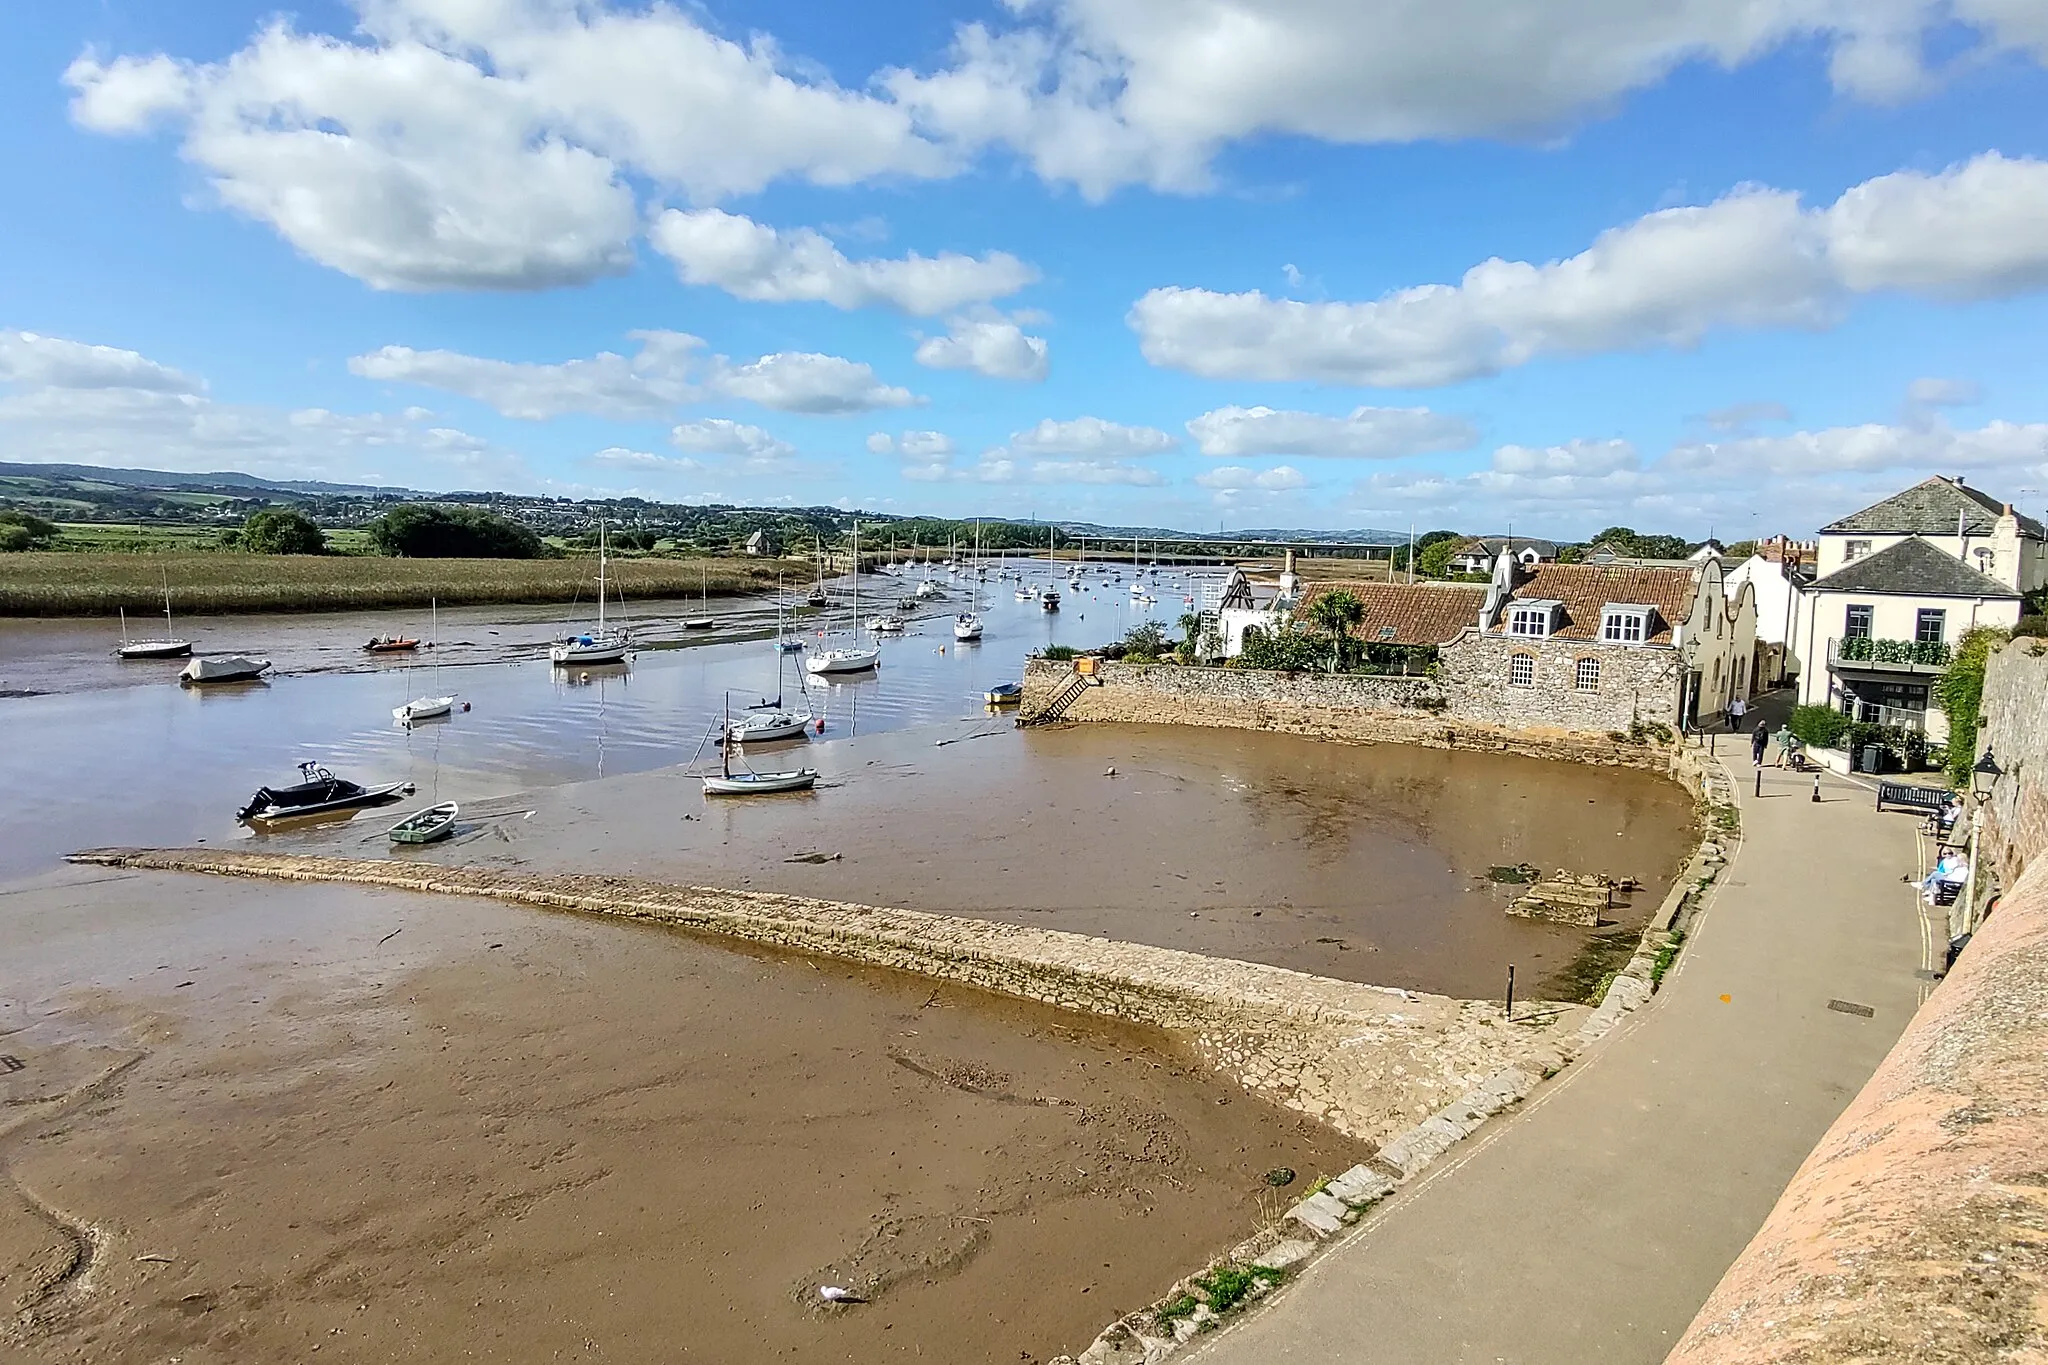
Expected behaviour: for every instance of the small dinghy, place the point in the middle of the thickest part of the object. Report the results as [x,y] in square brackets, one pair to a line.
[423,827]
[422,708]
[317,792]
[1004,694]
[726,782]
[233,668]
[387,644]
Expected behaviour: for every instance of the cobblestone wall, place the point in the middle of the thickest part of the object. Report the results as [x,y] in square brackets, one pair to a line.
[1480,682]
[2016,731]
[1437,713]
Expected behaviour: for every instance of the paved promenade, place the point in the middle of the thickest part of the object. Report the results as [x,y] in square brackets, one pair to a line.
[1593,1225]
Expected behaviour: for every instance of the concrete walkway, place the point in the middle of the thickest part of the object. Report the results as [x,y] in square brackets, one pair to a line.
[1592,1226]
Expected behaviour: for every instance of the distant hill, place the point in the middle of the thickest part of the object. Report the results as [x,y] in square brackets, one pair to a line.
[225,481]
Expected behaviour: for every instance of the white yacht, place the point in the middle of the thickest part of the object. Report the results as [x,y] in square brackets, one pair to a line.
[603,645]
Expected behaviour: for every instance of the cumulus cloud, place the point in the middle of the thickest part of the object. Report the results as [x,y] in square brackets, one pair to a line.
[667,371]
[913,445]
[648,384]
[1755,258]
[996,347]
[488,145]
[53,362]
[1579,458]
[722,436]
[643,461]
[1367,433]
[1091,436]
[1232,478]
[1095,471]
[74,402]
[751,260]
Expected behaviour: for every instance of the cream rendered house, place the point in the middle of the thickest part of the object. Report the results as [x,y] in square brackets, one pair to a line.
[1898,584]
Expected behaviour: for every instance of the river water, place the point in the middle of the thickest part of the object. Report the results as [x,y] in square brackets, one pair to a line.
[114,752]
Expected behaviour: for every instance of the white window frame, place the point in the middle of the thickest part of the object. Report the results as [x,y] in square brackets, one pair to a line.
[1617,623]
[1519,662]
[1579,666]
[1543,614]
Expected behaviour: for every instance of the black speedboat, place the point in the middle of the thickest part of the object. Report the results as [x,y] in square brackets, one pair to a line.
[317,792]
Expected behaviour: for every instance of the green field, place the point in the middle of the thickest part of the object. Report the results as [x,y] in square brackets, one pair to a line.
[97,583]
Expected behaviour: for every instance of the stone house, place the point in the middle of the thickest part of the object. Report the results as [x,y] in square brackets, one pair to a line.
[1597,646]
[1899,584]
[760,544]
[1478,556]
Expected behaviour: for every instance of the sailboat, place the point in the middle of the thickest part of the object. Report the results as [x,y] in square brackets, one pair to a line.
[604,645]
[428,707]
[967,625]
[769,720]
[730,783]
[170,647]
[818,597]
[854,658]
[704,596]
[1049,600]
[787,641]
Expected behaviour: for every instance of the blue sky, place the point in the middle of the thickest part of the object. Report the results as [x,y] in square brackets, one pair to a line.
[1738,265]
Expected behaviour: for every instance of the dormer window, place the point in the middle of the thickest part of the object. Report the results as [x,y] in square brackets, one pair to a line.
[1534,620]
[1625,623]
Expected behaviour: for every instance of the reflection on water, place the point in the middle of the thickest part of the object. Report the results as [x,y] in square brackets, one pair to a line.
[159,764]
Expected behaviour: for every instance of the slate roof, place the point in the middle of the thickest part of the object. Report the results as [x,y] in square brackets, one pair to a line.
[1930,508]
[1586,589]
[1417,613]
[1491,546]
[1912,568]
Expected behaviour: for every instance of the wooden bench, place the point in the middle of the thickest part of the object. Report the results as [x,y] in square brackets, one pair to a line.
[1907,796]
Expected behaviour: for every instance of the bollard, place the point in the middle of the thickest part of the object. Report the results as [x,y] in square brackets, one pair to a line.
[1510,1013]
[1816,787]
[1759,780]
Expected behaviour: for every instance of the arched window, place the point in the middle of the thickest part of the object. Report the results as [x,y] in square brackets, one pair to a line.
[1521,670]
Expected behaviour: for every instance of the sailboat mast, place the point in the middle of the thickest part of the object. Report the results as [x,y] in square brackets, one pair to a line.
[167,604]
[600,577]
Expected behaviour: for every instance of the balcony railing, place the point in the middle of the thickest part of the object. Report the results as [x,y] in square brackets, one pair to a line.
[1912,654]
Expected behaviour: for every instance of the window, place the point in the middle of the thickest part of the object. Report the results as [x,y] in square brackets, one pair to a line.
[1586,677]
[1930,625]
[1387,632]
[1856,623]
[1625,625]
[1533,620]
[1854,550]
[1522,670]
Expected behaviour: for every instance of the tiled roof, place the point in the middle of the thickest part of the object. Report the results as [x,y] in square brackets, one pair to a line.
[1586,589]
[1913,568]
[1492,545]
[1930,508]
[1418,613]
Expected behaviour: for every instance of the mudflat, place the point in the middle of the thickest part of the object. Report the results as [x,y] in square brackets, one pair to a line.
[1364,862]
[254,1121]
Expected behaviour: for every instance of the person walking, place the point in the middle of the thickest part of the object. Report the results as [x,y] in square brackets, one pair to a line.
[1758,739]
[1737,709]
[1785,741]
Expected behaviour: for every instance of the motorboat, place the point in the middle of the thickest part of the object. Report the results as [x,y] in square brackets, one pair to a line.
[424,827]
[1004,694]
[227,669]
[317,792]
[603,645]
[169,647]
[817,599]
[1024,594]
[967,626]
[391,644]
[885,625]
[1049,601]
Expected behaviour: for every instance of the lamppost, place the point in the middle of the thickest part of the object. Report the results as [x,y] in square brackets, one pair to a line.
[1984,775]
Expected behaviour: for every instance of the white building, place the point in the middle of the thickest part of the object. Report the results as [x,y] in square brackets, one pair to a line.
[1241,604]
[1479,556]
[1777,587]
[1899,584]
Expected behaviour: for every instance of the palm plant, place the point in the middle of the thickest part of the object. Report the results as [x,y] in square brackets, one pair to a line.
[1335,613]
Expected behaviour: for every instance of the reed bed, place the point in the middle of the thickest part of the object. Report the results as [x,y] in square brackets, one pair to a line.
[85,583]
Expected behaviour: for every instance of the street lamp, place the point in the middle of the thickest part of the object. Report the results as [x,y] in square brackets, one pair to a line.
[1984,777]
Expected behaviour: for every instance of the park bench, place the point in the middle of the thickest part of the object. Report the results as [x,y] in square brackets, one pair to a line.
[1908,796]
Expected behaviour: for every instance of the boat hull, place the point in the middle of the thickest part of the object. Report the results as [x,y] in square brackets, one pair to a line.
[426,708]
[762,729]
[609,652]
[844,661]
[424,827]
[237,669]
[260,813]
[155,649]
[760,784]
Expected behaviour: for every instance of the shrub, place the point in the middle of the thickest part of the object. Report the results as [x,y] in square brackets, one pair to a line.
[1819,726]
[1059,653]
[1960,693]
[1282,651]
[2035,627]
[25,531]
[1147,637]
[282,531]
[437,531]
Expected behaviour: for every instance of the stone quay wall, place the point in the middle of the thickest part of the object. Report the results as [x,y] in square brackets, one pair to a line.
[1918,1228]
[1446,712]
[2016,731]
[1370,1061]
[1632,684]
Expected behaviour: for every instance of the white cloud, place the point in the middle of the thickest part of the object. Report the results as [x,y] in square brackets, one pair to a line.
[644,461]
[1754,258]
[69,402]
[1582,458]
[460,144]
[1739,416]
[1368,433]
[798,381]
[1091,436]
[1873,448]
[751,260]
[39,361]
[996,347]
[666,372]
[722,436]
[1095,471]
[1110,92]
[648,384]
[1235,478]
[1944,393]
[913,445]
